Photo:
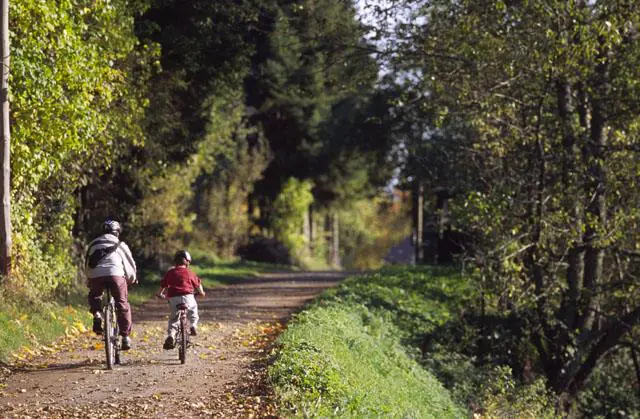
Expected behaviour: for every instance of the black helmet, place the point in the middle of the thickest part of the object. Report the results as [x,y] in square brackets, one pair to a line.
[180,256]
[111,227]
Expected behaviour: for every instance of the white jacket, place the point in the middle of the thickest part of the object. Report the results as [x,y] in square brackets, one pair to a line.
[118,263]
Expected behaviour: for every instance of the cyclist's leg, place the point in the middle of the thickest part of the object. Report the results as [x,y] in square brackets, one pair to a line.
[192,310]
[96,287]
[119,290]
[174,317]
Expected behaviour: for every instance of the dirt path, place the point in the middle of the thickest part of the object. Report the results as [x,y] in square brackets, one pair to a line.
[224,375]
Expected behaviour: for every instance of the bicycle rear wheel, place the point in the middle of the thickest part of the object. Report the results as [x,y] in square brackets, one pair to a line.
[182,336]
[108,340]
[111,332]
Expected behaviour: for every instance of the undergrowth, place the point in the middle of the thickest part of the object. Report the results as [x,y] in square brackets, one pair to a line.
[374,347]
[29,325]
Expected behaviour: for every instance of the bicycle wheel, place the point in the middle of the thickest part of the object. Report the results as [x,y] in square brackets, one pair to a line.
[109,320]
[183,336]
[116,332]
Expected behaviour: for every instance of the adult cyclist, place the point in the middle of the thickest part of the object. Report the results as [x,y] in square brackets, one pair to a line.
[109,263]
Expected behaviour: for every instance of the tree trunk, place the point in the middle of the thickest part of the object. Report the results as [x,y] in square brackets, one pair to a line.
[575,270]
[335,241]
[5,229]
[636,364]
[306,230]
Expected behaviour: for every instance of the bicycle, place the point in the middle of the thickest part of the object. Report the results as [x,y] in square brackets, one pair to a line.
[182,336]
[111,331]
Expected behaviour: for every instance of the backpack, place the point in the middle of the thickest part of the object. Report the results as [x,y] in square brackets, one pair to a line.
[95,257]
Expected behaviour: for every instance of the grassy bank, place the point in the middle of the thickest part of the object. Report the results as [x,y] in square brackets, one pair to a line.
[354,352]
[28,325]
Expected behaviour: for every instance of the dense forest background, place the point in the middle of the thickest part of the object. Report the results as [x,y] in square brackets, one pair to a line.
[196,124]
[244,126]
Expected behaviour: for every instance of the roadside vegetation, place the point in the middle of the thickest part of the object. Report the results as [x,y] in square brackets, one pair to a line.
[377,346]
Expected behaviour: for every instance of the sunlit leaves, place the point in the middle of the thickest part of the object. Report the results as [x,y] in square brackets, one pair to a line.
[75,106]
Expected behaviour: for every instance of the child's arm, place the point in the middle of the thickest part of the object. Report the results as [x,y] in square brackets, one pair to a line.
[163,292]
[197,285]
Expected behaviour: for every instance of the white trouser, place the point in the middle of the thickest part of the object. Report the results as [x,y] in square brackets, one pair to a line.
[174,318]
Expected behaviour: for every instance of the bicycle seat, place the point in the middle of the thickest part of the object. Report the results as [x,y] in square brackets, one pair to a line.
[181,306]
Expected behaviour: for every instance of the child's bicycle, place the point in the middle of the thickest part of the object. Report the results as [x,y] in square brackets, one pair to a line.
[182,340]
[182,337]
[111,344]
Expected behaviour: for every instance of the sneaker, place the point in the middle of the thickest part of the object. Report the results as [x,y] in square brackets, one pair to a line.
[194,331]
[97,324]
[169,343]
[126,343]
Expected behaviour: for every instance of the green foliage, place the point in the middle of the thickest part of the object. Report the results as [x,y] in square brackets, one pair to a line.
[289,209]
[166,210]
[527,104]
[612,390]
[311,83]
[234,157]
[76,104]
[352,352]
[503,397]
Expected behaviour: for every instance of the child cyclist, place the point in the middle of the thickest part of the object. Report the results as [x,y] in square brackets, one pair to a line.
[179,285]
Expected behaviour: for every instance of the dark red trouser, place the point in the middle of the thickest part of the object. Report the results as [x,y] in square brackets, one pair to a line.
[118,287]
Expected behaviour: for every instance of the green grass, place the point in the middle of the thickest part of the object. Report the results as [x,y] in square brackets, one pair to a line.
[31,324]
[353,352]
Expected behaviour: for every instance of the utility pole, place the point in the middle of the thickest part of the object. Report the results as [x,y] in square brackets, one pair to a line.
[5,156]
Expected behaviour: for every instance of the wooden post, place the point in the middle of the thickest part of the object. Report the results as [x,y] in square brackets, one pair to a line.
[418,220]
[5,173]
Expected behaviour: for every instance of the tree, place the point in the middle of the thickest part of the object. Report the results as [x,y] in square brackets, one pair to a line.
[544,93]
[77,90]
[310,66]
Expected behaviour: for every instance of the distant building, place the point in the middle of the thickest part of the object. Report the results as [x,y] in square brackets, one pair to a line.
[402,253]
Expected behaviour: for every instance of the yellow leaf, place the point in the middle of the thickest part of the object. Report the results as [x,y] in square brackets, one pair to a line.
[80,326]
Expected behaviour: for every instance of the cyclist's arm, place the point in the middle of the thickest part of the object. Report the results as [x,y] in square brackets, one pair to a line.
[129,263]
[197,285]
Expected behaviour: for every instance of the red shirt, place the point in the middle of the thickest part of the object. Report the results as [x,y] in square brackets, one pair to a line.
[180,281]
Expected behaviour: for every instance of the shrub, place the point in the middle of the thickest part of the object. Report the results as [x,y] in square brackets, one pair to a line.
[265,249]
